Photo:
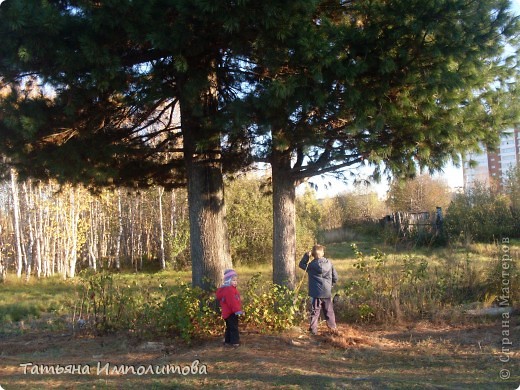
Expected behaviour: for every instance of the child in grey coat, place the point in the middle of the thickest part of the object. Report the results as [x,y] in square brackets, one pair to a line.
[322,276]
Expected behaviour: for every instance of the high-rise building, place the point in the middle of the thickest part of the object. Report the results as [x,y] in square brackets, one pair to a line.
[492,167]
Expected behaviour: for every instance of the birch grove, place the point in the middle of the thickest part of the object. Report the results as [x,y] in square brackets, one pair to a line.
[52,230]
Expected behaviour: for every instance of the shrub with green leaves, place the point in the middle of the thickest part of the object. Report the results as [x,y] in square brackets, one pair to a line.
[250,220]
[188,312]
[270,307]
[412,287]
[192,312]
[108,303]
[480,215]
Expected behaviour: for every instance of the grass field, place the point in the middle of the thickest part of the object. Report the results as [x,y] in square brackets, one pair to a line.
[457,352]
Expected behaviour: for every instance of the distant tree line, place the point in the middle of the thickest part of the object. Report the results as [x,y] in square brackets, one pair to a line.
[47,229]
[481,213]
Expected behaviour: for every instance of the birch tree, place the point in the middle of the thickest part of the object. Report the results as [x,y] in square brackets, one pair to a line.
[17,229]
[30,225]
[119,237]
[3,249]
[161,227]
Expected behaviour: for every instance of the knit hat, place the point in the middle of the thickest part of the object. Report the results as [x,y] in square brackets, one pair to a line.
[228,275]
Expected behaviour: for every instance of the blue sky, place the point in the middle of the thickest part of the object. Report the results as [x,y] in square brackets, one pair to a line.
[516,6]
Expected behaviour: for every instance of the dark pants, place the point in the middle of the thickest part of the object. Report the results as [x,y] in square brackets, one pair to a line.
[232,336]
[317,305]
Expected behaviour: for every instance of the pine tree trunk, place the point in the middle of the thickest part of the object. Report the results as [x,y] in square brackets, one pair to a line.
[208,233]
[284,220]
[210,253]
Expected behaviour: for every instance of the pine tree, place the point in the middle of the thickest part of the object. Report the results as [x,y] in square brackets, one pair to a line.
[92,90]
[403,86]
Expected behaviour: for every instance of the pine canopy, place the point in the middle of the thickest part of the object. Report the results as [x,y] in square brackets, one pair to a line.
[91,89]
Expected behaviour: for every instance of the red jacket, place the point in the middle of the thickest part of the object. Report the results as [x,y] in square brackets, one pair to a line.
[229,299]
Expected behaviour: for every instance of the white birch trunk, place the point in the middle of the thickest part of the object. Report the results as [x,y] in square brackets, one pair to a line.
[17,231]
[140,233]
[173,225]
[40,234]
[3,267]
[104,237]
[59,244]
[74,219]
[31,224]
[120,234]
[161,228]
[93,240]
[131,227]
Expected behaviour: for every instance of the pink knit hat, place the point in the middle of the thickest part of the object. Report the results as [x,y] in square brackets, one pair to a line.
[229,274]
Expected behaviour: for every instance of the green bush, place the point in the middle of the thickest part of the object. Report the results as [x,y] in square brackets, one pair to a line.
[308,220]
[250,221]
[502,279]
[411,287]
[188,312]
[270,307]
[193,313]
[480,215]
[179,245]
[109,304]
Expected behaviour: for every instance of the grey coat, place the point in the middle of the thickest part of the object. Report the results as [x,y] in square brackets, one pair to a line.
[322,276]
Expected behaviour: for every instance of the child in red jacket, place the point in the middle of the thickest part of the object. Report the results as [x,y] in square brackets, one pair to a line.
[229,299]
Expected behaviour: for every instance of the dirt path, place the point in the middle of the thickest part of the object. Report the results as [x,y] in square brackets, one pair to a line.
[419,357]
